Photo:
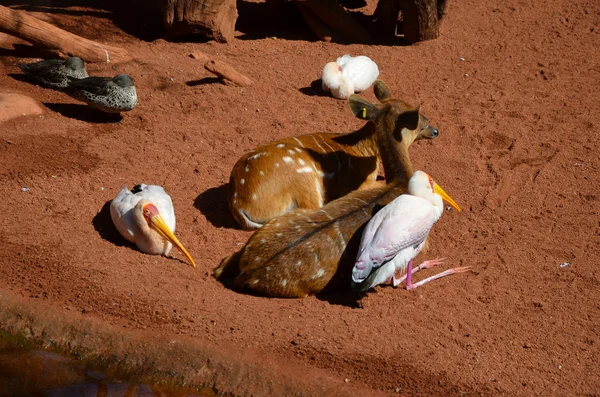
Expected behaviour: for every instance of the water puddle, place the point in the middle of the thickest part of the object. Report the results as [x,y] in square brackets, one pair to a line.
[37,373]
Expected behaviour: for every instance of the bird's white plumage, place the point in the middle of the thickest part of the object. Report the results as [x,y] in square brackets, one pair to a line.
[348,75]
[121,208]
[396,234]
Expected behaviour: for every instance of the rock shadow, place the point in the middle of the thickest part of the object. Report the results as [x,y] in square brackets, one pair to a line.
[146,25]
[84,113]
[202,81]
[277,19]
[212,203]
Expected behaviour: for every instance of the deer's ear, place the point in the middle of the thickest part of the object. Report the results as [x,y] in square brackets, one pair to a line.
[409,119]
[362,108]
[382,91]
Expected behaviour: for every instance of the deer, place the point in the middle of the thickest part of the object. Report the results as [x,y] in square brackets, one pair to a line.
[308,171]
[309,251]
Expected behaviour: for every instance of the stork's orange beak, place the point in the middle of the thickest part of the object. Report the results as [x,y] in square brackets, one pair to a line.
[158,223]
[438,190]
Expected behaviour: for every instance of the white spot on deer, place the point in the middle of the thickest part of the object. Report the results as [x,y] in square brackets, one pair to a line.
[291,152]
[319,190]
[280,145]
[242,181]
[234,194]
[301,162]
[262,240]
[320,272]
[304,170]
[257,155]
[234,201]
[261,173]
[254,197]
[299,143]
[299,150]
[284,282]
[276,165]
[288,160]
[255,281]
[257,259]
[299,263]
[279,234]
[336,226]
[326,214]
[317,142]
[267,269]
[247,169]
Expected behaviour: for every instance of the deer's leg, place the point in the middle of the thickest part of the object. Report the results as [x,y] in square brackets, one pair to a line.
[370,184]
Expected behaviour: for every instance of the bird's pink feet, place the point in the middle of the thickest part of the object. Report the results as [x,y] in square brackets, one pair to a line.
[410,286]
[424,265]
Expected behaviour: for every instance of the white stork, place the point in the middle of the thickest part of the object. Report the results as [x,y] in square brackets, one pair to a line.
[397,233]
[145,216]
[348,75]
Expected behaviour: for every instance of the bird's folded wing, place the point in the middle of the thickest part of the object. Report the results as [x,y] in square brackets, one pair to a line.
[121,213]
[95,85]
[405,223]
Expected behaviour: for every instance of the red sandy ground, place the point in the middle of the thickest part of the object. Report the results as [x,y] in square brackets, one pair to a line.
[518,149]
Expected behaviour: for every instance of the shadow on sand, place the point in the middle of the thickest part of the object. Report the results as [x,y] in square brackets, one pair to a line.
[84,113]
[212,203]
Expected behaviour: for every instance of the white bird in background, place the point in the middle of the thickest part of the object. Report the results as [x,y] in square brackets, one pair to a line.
[145,216]
[348,75]
[397,233]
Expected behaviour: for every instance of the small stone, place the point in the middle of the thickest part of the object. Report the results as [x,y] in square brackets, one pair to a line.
[346,380]
[564,264]
[461,59]
[25,189]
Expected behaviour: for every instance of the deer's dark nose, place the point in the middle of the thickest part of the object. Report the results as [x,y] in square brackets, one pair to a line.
[435,133]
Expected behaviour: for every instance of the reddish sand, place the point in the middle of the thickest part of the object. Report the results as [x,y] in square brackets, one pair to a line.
[513,87]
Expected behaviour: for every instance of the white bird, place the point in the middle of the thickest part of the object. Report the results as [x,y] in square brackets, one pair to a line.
[145,216]
[348,75]
[397,233]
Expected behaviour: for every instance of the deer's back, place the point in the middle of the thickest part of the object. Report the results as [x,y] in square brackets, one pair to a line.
[302,252]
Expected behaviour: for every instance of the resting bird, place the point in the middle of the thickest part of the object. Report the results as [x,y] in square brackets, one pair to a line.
[55,73]
[397,233]
[110,95]
[145,216]
[348,75]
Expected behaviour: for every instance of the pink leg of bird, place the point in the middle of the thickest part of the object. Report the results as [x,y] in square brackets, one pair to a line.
[410,285]
[411,270]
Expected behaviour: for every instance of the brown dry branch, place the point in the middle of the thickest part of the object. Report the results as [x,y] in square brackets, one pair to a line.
[24,26]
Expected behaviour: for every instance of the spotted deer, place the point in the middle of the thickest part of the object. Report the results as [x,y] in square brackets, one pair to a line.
[308,171]
[304,251]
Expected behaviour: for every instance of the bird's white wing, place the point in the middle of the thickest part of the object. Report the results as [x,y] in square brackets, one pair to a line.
[361,70]
[343,60]
[121,213]
[403,223]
